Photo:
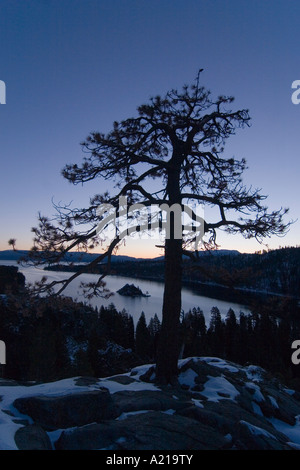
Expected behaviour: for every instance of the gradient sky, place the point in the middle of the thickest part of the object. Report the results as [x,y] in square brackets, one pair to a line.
[74,66]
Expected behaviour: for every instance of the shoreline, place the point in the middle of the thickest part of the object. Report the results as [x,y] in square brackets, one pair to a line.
[242,295]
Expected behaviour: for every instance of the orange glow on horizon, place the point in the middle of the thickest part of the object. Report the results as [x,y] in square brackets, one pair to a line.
[147,249]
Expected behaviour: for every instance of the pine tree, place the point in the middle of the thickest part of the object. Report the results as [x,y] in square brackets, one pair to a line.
[127,334]
[178,141]
[230,336]
[92,353]
[216,330]
[194,333]
[154,331]
[82,365]
[142,338]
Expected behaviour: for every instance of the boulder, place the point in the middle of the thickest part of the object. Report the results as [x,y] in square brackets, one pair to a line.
[32,437]
[129,401]
[208,418]
[255,438]
[122,379]
[70,410]
[287,407]
[232,414]
[148,431]
[84,381]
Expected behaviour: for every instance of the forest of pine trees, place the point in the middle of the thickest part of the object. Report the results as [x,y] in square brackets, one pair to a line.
[254,338]
[49,340]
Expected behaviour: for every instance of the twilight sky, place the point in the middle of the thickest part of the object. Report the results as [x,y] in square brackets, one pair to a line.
[74,66]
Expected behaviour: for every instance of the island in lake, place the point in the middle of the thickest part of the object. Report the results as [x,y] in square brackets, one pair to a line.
[130,290]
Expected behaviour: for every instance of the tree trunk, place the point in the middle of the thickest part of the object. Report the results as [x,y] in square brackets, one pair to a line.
[168,345]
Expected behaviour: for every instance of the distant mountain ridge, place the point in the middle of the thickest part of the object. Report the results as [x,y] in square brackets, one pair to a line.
[81,257]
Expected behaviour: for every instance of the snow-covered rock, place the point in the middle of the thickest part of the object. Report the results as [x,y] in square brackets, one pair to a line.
[216,405]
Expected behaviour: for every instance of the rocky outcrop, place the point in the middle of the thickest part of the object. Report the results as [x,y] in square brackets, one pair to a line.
[147,431]
[130,401]
[69,410]
[217,405]
[11,281]
[249,437]
[32,437]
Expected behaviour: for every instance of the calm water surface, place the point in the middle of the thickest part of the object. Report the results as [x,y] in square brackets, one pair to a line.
[134,306]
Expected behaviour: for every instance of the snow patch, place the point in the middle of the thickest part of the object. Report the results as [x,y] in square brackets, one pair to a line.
[169,412]
[188,377]
[292,432]
[228,437]
[220,363]
[293,445]
[136,386]
[140,370]
[126,414]
[289,391]
[54,436]
[121,440]
[7,433]
[152,376]
[183,362]
[254,373]
[215,387]
[257,409]
[256,431]
[273,401]
[257,395]
[197,403]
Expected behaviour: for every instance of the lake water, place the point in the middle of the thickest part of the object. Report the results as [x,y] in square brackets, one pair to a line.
[134,306]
